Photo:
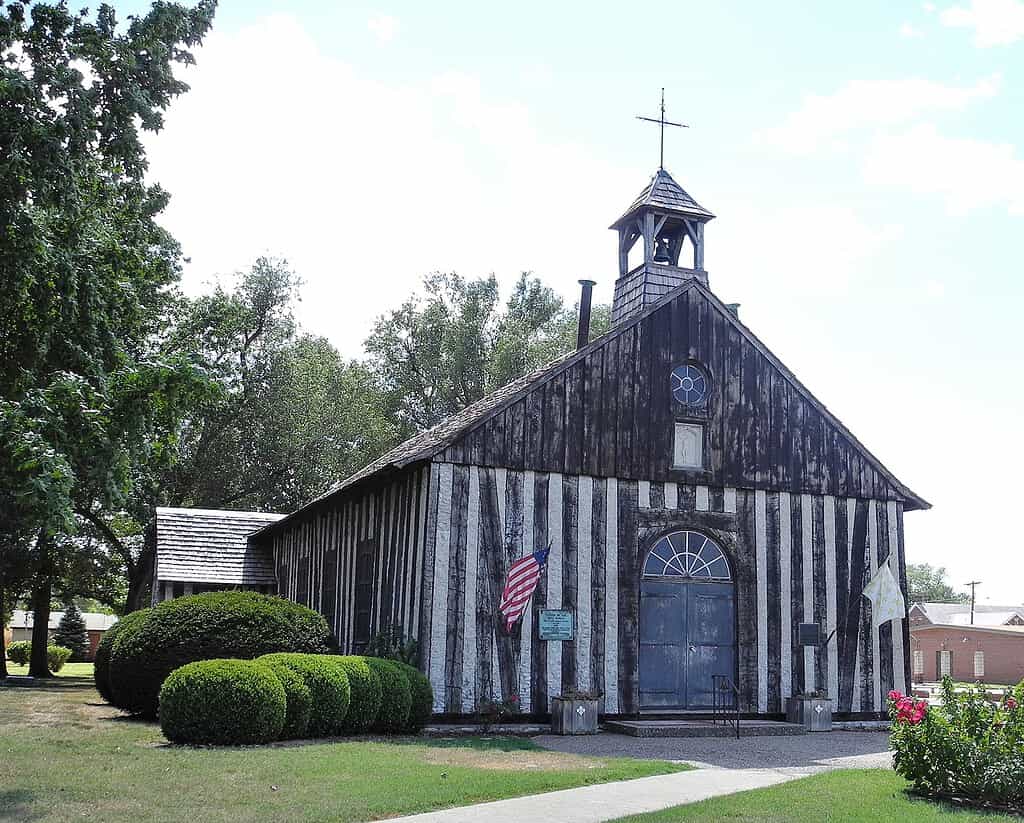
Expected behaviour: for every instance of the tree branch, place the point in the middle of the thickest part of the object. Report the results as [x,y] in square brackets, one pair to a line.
[108,534]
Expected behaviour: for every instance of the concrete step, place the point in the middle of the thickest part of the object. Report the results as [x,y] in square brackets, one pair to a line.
[701,728]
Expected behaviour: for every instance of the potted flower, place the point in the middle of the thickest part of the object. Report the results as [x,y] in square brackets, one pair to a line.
[575,712]
[812,710]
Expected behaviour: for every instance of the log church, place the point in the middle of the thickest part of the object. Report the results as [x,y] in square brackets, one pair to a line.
[702,509]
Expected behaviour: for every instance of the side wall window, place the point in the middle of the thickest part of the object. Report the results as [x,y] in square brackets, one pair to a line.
[364,592]
[979,664]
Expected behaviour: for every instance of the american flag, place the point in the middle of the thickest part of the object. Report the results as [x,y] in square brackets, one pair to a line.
[522,580]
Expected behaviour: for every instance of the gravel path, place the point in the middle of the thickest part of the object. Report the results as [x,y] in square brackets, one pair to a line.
[807,752]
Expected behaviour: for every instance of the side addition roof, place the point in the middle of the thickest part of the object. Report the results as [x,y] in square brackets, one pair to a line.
[211,546]
[665,194]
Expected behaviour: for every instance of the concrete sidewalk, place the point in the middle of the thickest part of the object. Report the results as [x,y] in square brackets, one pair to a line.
[608,801]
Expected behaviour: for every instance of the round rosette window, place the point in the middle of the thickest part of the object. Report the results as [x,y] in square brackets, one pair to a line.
[689,385]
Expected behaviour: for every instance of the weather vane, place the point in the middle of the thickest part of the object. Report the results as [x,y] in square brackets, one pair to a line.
[662,122]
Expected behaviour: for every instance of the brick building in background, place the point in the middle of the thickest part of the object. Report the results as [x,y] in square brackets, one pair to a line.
[944,641]
[20,627]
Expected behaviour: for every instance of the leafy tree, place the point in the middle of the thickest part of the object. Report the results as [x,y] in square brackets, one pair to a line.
[447,347]
[289,418]
[87,271]
[71,633]
[928,584]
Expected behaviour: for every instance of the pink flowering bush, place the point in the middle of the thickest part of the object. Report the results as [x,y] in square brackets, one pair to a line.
[969,748]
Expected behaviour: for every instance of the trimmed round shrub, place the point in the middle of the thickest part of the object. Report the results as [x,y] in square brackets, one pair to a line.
[328,688]
[101,662]
[56,657]
[366,693]
[298,698]
[19,652]
[422,698]
[396,695]
[222,702]
[203,627]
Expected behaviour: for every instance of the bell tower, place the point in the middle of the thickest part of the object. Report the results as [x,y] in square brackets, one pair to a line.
[665,217]
[669,222]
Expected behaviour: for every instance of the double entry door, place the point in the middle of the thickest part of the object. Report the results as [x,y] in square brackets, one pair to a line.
[687,635]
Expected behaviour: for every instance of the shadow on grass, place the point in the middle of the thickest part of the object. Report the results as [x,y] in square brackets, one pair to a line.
[49,684]
[502,744]
[14,805]
[964,804]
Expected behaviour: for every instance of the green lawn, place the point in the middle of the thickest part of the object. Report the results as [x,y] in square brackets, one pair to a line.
[65,755]
[69,670]
[851,796]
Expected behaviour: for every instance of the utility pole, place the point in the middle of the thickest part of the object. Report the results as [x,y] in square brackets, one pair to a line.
[972,584]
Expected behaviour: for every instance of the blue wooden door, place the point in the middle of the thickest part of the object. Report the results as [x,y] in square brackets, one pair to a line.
[687,623]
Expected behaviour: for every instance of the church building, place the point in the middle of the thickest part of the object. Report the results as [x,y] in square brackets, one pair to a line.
[708,520]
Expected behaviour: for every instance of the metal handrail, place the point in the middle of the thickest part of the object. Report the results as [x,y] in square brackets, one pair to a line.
[721,685]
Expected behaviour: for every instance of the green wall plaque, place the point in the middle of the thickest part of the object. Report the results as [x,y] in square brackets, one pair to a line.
[555,624]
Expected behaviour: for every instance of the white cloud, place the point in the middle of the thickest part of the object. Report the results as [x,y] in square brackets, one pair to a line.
[968,174]
[995,22]
[830,247]
[366,186]
[909,32]
[864,104]
[384,26]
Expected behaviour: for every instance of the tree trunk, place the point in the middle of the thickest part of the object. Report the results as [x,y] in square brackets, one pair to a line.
[38,666]
[140,577]
[3,628]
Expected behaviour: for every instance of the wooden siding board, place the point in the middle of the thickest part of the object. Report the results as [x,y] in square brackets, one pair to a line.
[885,639]
[773,618]
[598,547]
[457,589]
[625,405]
[796,592]
[746,602]
[820,590]
[575,407]
[539,695]
[570,594]
[628,597]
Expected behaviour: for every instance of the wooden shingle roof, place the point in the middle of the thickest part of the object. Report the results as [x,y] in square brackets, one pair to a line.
[211,546]
[665,194]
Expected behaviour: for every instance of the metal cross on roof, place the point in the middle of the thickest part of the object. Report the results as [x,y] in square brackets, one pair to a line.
[662,122]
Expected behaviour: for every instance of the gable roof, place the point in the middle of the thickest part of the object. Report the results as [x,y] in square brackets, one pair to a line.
[665,194]
[429,443]
[212,546]
[959,614]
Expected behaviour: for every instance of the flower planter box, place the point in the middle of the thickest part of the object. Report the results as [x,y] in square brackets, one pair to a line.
[813,713]
[573,716]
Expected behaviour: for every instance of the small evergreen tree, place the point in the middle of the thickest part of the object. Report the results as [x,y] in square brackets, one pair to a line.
[71,632]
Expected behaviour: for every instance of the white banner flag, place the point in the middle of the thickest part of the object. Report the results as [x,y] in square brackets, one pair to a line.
[886,598]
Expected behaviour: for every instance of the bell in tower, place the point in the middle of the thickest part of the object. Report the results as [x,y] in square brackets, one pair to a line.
[670,225]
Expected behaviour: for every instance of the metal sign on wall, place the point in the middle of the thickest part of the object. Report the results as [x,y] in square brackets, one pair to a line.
[555,624]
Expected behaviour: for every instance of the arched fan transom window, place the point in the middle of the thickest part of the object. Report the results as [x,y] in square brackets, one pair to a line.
[687,555]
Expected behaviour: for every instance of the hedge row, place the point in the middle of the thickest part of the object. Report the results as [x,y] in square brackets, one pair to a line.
[138,653]
[323,694]
[289,695]
[20,652]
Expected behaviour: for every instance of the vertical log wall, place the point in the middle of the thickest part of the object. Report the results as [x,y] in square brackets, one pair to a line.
[315,557]
[796,558]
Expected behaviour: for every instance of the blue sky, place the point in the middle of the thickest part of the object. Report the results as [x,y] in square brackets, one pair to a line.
[866,163]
